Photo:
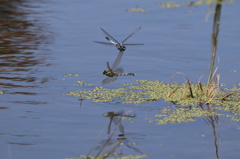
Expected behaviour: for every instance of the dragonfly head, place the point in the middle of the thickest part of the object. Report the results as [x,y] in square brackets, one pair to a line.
[121,47]
[104,72]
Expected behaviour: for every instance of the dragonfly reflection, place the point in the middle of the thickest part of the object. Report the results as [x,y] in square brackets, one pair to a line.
[120,46]
[116,118]
[113,72]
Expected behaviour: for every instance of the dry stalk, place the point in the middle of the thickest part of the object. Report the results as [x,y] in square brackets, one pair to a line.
[223,98]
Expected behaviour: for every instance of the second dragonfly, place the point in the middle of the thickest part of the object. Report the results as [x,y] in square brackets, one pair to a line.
[113,72]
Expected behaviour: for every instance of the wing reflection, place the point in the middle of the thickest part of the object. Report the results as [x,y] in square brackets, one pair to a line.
[114,146]
[116,118]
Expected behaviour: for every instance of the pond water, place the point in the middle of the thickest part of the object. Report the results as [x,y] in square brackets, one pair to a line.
[43,41]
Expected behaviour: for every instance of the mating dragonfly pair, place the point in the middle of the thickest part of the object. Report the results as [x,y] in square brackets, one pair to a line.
[113,72]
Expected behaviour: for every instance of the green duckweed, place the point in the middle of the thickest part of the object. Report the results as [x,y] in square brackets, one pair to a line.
[70,74]
[203,100]
[122,157]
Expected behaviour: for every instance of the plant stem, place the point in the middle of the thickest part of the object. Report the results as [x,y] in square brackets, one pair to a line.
[215,31]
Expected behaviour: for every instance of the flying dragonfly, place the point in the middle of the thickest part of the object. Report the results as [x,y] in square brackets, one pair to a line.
[113,72]
[120,46]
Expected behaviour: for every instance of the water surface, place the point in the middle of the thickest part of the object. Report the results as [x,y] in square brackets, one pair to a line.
[41,41]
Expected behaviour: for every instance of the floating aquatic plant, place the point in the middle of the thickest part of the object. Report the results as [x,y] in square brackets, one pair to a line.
[70,74]
[184,94]
[83,83]
[137,10]
[194,3]
[190,99]
[122,157]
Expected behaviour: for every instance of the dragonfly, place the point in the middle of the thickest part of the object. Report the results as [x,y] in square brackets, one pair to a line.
[113,72]
[112,41]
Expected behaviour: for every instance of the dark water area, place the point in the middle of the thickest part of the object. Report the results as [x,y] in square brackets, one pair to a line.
[41,42]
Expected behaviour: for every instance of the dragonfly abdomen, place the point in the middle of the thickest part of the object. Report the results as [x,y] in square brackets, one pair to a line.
[126,74]
[110,73]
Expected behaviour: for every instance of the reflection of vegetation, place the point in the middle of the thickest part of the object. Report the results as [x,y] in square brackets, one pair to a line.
[21,35]
[18,32]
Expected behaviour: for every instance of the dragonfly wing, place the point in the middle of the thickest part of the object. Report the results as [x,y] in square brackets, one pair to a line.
[119,70]
[104,43]
[132,44]
[118,122]
[109,126]
[109,79]
[109,37]
[136,30]
[114,43]
[108,66]
[117,61]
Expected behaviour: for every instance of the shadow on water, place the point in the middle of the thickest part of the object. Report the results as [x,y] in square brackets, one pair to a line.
[22,39]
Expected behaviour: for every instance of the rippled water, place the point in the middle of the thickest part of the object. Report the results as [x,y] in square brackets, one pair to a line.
[42,41]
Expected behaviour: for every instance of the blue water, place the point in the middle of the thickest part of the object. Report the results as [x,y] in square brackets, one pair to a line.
[38,120]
